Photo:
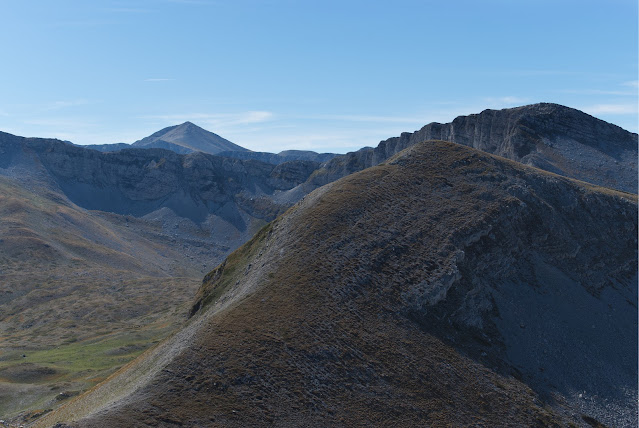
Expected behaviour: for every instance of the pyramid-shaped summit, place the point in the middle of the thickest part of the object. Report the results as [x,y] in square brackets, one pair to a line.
[187,138]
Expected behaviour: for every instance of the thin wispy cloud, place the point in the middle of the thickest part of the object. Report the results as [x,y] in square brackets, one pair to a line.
[59,105]
[60,123]
[540,72]
[629,108]
[194,2]
[452,109]
[317,138]
[63,128]
[216,120]
[312,140]
[365,118]
[505,101]
[126,10]
[78,130]
[83,23]
[598,92]
[549,73]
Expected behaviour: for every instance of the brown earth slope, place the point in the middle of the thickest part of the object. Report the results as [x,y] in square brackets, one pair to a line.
[446,287]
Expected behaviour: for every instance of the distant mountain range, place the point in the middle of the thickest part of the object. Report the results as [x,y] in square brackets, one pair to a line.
[183,139]
[141,180]
[145,216]
[551,137]
[188,138]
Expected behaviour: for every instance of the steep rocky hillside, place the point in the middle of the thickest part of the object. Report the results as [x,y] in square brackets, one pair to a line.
[187,138]
[445,287]
[552,137]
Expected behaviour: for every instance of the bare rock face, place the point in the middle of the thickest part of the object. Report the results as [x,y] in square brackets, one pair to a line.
[141,181]
[552,137]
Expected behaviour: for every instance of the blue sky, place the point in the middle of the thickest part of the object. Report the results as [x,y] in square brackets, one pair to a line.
[319,75]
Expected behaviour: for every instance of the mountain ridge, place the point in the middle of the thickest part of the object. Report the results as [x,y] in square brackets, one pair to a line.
[200,201]
[549,136]
[326,311]
[140,180]
[188,137]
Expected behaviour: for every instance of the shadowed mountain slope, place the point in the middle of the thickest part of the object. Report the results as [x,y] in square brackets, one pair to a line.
[446,287]
[551,137]
[141,182]
[187,138]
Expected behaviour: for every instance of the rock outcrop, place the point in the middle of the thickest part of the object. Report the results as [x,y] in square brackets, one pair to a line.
[552,137]
[141,181]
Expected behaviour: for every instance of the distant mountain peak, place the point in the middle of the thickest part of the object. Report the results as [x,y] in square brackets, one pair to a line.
[186,138]
[188,125]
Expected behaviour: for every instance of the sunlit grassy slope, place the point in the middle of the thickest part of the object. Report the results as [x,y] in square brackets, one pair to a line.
[82,293]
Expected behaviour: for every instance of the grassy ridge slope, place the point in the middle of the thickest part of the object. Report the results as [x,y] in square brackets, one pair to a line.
[325,319]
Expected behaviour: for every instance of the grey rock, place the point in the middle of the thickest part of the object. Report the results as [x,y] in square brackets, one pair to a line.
[141,181]
[551,137]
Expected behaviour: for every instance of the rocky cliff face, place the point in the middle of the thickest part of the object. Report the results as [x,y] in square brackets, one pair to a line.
[141,181]
[445,287]
[552,137]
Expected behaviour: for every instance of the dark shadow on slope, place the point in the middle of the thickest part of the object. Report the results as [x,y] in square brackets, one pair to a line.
[9,147]
[111,199]
[548,330]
